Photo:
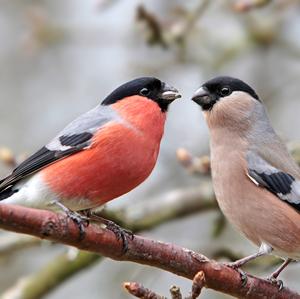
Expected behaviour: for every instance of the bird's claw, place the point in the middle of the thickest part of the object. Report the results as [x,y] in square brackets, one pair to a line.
[277,282]
[80,221]
[120,233]
[243,274]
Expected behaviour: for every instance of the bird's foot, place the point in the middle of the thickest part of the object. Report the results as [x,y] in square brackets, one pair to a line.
[80,221]
[277,282]
[273,278]
[236,266]
[120,233]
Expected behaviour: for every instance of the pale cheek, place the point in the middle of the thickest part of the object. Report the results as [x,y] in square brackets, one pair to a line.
[206,115]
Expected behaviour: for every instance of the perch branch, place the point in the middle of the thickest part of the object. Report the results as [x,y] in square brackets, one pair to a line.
[169,257]
[147,214]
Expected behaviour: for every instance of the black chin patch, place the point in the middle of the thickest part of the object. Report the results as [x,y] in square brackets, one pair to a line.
[208,107]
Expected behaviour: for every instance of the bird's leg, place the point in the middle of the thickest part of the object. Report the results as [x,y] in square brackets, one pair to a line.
[275,274]
[263,250]
[80,220]
[121,233]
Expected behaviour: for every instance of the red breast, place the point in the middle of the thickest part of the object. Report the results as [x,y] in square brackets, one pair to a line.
[121,157]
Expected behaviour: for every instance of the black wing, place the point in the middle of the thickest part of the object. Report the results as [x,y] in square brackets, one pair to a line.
[282,184]
[71,144]
[73,138]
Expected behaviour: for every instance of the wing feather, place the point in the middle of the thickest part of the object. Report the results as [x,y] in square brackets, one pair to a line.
[285,186]
[73,138]
[37,161]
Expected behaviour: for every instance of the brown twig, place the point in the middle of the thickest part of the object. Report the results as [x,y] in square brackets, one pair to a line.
[175,292]
[7,157]
[198,284]
[193,164]
[154,30]
[139,291]
[169,257]
[246,5]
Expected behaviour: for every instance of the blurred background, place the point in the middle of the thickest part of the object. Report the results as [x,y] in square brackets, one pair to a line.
[58,59]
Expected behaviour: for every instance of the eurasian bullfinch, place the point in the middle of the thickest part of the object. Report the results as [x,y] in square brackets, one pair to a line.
[99,156]
[256,181]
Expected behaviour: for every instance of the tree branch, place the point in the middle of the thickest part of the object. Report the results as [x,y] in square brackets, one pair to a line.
[145,215]
[169,257]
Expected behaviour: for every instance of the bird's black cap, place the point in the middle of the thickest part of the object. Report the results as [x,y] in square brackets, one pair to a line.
[148,87]
[220,87]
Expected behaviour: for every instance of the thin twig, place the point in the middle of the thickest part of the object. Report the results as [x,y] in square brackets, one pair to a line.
[198,284]
[139,291]
[175,292]
[193,164]
[246,5]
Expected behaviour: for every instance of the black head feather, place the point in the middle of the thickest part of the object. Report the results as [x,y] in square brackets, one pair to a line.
[149,87]
[220,87]
[216,85]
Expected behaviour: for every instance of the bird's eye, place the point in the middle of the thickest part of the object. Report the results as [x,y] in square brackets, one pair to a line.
[225,91]
[144,92]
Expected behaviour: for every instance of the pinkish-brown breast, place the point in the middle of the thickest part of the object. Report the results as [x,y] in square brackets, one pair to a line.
[257,213]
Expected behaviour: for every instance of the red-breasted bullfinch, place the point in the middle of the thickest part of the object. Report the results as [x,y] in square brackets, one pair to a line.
[256,181]
[99,156]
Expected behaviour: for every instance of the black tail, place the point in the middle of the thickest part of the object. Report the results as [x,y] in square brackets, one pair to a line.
[7,192]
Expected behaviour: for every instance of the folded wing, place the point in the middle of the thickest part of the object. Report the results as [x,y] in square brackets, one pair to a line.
[285,186]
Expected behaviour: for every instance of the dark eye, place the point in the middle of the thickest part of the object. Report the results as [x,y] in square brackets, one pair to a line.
[144,92]
[225,91]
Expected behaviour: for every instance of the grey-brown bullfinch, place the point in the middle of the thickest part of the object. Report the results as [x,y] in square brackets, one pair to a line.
[99,156]
[256,181]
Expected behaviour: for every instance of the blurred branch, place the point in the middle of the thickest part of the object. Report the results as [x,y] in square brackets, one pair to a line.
[219,225]
[193,164]
[7,157]
[171,205]
[11,243]
[175,32]
[41,31]
[190,20]
[169,257]
[247,5]
[294,148]
[55,273]
[153,29]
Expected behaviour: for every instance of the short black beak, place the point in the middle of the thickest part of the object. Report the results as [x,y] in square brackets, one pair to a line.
[169,93]
[203,98]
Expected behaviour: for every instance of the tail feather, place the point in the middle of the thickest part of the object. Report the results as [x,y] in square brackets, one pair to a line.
[6,192]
